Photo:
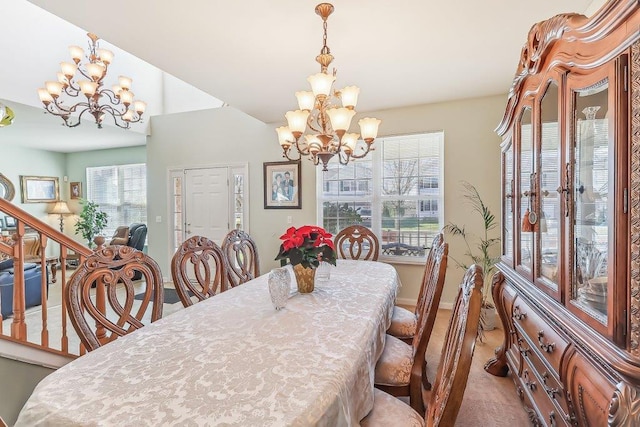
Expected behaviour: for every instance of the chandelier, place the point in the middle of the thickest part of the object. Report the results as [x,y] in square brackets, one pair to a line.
[118,102]
[6,115]
[327,113]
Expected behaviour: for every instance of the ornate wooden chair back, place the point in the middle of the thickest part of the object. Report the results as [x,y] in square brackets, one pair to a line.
[434,284]
[111,271]
[438,241]
[445,398]
[198,268]
[241,254]
[357,242]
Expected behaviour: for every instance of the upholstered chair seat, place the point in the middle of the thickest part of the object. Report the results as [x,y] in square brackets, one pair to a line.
[391,411]
[395,362]
[403,324]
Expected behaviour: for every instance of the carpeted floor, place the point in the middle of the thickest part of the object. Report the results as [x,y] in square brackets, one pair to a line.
[488,401]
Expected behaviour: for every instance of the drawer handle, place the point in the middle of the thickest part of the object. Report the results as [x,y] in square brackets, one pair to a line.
[552,392]
[523,351]
[546,346]
[531,385]
[517,314]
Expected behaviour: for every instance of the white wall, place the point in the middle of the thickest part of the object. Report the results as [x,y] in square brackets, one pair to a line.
[471,153]
[217,137]
[226,135]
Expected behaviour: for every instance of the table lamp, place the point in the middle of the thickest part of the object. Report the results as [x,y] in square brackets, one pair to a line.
[61,209]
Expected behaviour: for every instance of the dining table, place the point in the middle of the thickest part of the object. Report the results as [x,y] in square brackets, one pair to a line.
[234,360]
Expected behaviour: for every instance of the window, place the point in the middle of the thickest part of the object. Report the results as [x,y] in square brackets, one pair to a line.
[396,190]
[121,192]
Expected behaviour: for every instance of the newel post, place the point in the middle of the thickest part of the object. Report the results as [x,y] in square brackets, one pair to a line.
[101,292]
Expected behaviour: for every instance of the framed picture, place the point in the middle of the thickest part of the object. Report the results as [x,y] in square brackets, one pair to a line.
[39,189]
[75,190]
[282,183]
[9,221]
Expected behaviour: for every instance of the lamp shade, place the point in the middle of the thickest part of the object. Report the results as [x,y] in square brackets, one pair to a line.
[340,118]
[305,100]
[285,137]
[60,208]
[369,128]
[297,121]
[349,96]
[321,83]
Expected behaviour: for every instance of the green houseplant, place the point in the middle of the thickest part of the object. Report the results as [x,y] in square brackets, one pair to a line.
[92,221]
[482,250]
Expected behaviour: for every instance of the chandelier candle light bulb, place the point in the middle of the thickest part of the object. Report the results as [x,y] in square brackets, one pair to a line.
[327,113]
[100,101]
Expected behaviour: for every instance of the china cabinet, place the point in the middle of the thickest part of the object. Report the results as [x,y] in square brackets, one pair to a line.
[568,287]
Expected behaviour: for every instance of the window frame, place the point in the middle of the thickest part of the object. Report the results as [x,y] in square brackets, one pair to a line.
[377,198]
[121,190]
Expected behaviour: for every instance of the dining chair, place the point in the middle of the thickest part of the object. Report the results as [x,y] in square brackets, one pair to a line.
[357,242]
[399,360]
[107,276]
[198,268]
[442,403]
[404,322]
[241,254]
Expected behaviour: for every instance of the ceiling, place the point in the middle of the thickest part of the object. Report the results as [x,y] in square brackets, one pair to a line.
[254,55]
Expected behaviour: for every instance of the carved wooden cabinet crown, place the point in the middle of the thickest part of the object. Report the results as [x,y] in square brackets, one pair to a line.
[568,290]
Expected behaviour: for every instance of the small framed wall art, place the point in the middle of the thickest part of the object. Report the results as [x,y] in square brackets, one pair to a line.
[75,190]
[39,189]
[282,183]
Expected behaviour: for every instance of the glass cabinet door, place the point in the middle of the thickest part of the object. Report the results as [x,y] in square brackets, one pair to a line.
[507,214]
[590,216]
[550,188]
[526,218]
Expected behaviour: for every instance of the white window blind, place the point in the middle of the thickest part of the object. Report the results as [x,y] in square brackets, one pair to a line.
[396,191]
[121,192]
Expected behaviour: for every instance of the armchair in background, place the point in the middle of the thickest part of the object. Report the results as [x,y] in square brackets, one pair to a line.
[133,235]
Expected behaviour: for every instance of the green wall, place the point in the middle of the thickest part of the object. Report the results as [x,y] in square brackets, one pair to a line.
[16,161]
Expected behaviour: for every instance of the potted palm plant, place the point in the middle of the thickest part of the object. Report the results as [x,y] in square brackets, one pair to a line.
[92,221]
[482,250]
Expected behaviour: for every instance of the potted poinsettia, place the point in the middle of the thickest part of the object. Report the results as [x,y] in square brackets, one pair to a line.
[305,248]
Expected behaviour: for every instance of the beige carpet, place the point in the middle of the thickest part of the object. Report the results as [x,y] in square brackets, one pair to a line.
[488,401]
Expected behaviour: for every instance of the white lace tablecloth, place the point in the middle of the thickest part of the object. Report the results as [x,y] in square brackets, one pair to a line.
[234,360]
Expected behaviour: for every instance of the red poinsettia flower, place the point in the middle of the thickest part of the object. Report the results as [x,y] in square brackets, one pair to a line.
[292,239]
[307,245]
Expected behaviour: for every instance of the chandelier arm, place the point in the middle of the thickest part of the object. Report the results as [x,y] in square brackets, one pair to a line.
[111,95]
[302,148]
[343,158]
[81,71]
[71,89]
[285,154]
[364,152]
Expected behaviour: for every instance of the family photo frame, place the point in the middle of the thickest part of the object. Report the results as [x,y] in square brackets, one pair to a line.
[39,189]
[75,190]
[282,183]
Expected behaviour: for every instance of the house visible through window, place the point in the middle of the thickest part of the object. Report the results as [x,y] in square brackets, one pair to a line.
[121,192]
[397,191]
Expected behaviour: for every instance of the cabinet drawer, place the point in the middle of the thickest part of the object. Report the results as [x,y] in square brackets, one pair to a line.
[549,383]
[547,411]
[539,333]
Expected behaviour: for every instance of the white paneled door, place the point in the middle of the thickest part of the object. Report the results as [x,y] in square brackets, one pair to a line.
[207,211]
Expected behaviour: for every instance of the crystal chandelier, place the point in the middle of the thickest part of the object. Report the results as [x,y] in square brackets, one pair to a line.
[118,102]
[327,113]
